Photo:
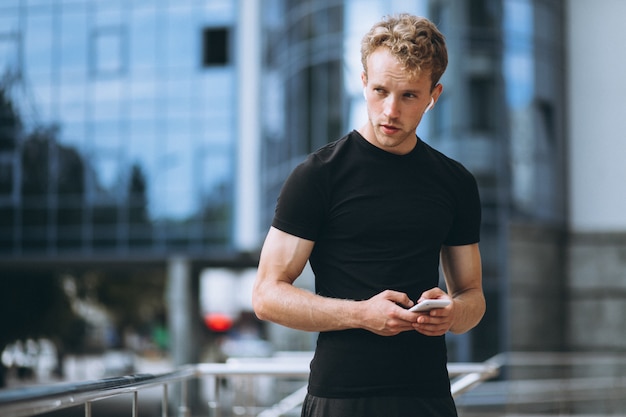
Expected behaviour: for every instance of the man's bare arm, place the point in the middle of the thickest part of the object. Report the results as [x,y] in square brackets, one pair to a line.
[276,299]
[463,274]
[462,270]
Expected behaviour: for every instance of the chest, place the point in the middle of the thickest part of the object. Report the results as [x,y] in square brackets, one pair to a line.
[391,203]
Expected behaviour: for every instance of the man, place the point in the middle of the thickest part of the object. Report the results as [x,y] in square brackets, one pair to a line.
[375,212]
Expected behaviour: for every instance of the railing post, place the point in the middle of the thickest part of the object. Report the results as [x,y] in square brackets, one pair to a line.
[214,403]
[183,409]
[135,404]
[183,322]
[88,409]
[164,403]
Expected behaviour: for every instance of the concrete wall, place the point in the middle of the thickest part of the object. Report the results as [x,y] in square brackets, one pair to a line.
[596,263]
[567,291]
[597,292]
[536,301]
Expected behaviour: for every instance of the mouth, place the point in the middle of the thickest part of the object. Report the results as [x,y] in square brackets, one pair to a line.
[389,129]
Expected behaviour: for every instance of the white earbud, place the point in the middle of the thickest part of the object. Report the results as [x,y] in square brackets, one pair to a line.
[430,106]
[365,93]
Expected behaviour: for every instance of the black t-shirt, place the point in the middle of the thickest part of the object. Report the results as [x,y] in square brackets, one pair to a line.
[378,221]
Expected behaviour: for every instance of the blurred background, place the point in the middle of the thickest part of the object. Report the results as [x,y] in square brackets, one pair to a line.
[143,145]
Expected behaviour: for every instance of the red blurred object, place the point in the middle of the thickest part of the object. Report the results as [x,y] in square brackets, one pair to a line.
[218,322]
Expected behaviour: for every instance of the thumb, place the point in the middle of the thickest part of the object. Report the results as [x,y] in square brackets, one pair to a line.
[431,294]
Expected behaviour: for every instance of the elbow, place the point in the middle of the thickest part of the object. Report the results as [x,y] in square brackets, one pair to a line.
[259,305]
[478,313]
[259,311]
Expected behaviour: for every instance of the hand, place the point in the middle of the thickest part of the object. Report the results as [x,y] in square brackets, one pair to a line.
[386,313]
[437,321]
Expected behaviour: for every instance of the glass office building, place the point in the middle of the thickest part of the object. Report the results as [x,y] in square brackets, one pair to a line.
[304,100]
[118,126]
[502,115]
[121,123]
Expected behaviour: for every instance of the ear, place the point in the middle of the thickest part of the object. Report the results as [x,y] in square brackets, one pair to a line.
[436,92]
[364,79]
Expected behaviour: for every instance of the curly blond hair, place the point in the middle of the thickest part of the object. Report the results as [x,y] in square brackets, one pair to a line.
[415,41]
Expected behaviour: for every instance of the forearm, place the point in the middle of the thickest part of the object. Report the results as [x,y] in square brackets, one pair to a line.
[294,307]
[469,310]
[463,274]
[276,299]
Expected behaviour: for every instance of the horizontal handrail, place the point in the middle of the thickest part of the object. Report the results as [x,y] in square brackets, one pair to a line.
[34,400]
[28,401]
[54,391]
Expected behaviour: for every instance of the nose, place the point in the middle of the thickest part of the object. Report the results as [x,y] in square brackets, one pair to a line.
[391,107]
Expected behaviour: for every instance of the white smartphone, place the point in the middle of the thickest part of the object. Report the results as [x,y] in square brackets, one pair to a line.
[427,305]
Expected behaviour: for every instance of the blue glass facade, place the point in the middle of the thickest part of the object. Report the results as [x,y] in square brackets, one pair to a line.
[305,105]
[502,115]
[127,125]
[119,120]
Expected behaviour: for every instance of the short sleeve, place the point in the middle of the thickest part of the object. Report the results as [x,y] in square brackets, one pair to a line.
[466,226]
[301,206]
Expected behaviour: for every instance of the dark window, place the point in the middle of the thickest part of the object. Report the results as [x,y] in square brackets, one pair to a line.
[480,93]
[6,177]
[214,47]
[482,13]
[546,110]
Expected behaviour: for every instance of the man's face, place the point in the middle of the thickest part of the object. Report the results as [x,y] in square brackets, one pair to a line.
[395,102]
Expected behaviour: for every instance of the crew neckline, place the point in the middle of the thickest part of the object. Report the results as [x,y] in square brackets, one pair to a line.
[368,144]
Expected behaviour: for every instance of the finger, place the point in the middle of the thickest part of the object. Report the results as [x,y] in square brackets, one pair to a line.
[399,298]
[431,329]
[430,322]
[440,312]
[430,319]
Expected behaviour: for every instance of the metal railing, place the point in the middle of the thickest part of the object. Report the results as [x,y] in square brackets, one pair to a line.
[30,401]
[552,383]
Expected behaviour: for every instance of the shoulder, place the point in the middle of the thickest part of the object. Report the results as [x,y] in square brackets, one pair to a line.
[329,153]
[325,159]
[455,178]
[445,165]
[318,167]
